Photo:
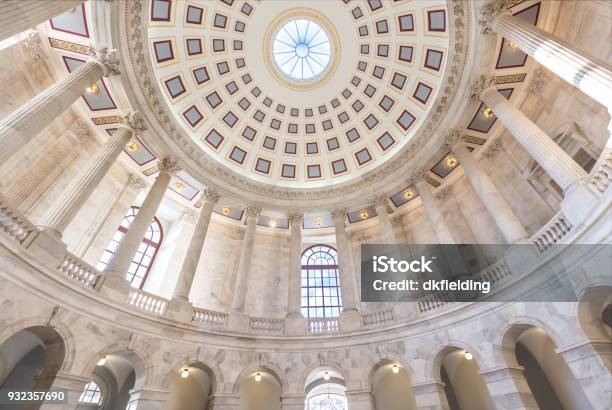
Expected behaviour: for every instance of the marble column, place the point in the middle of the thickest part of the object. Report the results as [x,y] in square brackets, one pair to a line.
[196,245]
[387,233]
[19,127]
[360,400]
[557,163]
[430,395]
[293,402]
[509,389]
[505,219]
[349,304]
[244,266]
[17,16]
[438,223]
[81,188]
[105,232]
[295,266]
[148,398]
[588,74]
[127,248]
[40,174]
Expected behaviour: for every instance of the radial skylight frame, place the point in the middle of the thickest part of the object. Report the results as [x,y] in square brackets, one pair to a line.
[302,50]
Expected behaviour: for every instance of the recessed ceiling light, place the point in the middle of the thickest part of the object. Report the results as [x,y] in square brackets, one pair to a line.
[226,211]
[363,214]
[395,369]
[185,373]
[179,186]
[93,89]
[102,361]
[487,112]
[258,377]
[408,194]
[451,161]
[132,146]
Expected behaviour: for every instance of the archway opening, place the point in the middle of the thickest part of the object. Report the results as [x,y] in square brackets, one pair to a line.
[391,387]
[464,387]
[116,375]
[325,390]
[260,390]
[191,387]
[551,381]
[31,358]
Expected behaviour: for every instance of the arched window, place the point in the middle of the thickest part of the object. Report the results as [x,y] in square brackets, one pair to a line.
[320,282]
[144,258]
[91,394]
[327,396]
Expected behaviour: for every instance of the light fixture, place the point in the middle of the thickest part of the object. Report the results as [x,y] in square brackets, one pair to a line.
[132,146]
[468,356]
[363,214]
[93,89]
[185,373]
[258,377]
[179,186]
[451,161]
[319,222]
[326,376]
[272,223]
[408,194]
[226,211]
[487,112]
[395,369]
[512,45]
[102,361]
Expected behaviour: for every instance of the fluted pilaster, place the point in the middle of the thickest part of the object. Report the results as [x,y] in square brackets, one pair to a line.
[295,265]
[196,245]
[493,200]
[344,262]
[19,15]
[246,254]
[81,188]
[438,223]
[27,121]
[128,246]
[384,220]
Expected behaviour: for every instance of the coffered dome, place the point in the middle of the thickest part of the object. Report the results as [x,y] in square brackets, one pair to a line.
[294,96]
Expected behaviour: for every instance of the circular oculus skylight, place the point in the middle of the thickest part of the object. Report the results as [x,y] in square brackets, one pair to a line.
[301,50]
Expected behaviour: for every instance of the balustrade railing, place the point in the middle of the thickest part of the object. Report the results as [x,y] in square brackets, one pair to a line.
[601,175]
[433,302]
[266,325]
[552,233]
[209,318]
[147,302]
[76,269]
[494,273]
[14,224]
[378,317]
[323,325]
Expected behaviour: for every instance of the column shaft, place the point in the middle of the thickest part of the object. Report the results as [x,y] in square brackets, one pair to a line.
[81,188]
[196,245]
[509,389]
[295,266]
[551,157]
[586,73]
[498,208]
[27,121]
[244,266]
[443,232]
[430,395]
[128,246]
[344,264]
[19,15]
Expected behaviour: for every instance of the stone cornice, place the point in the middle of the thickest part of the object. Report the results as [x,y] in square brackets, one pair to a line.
[211,172]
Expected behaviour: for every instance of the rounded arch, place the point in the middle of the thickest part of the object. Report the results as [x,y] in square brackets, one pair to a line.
[143,367]
[390,383]
[437,355]
[594,303]
[212,369]
[270,368]
[390,359]
[328,364]
[67,338]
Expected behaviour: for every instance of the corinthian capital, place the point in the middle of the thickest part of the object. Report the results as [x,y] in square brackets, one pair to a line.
[107,58]
[136,183]
[380,201]
[454,138]
[417,176]
[296,219]
[210,195]
[81,130]
[489,14]
[480,84]
[339,215]
[169,165]
[253,211]
[133,120]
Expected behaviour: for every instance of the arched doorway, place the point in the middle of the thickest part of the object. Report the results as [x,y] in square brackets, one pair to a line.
[464,386]
[325,389]
[260,390]
[191,387]
[391,387]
